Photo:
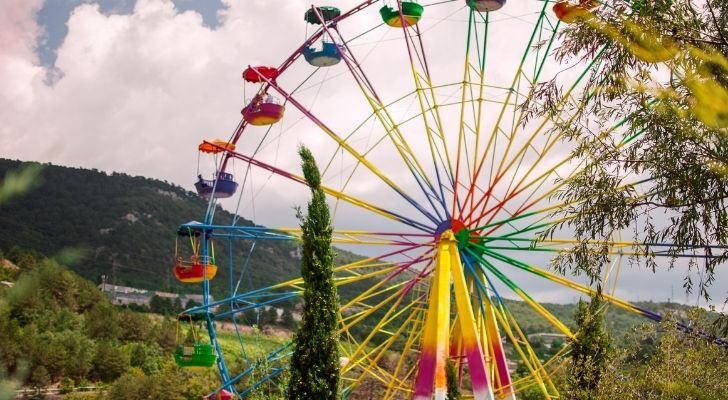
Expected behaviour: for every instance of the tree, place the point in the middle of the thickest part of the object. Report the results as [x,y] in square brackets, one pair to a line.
[161,305]
[269,317]
[163,334]
[670,130]
[287,319]
[102,322]
[453,392]
[134,326]
[590,351]
[109,361]
[684,365]
[39,378]
[315,362]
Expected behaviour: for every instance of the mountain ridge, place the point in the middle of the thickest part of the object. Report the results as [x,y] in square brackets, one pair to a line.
[124,225]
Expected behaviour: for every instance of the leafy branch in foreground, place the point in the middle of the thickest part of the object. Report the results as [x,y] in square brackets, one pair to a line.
[651,128]
[18,182]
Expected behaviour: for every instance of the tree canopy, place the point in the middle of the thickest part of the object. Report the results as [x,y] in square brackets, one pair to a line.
[651,128]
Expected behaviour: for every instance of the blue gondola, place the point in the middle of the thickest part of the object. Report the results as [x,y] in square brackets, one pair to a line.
[224,188]
[325,55]
[326,52]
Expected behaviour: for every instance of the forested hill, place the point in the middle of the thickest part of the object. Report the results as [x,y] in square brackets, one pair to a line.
[125,227]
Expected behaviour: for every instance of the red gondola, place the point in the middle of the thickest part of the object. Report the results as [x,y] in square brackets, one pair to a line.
[199,268]
[270,73]
[196,270]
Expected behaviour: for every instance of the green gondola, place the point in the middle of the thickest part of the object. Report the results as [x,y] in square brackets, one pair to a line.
[327,13]
[411,13]
[195,354]
[199,355]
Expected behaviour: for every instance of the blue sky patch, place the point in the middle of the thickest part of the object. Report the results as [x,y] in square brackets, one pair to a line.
[54,14]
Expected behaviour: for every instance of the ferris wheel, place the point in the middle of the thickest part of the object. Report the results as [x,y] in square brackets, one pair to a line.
[436,172]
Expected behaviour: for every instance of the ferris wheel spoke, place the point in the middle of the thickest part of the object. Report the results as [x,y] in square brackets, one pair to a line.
[428,103]
[551,142]
[536,183]
[574,285]
[283,351]
[395,301]
[359,157]
[512,89]
[518,291]
[368,362]
[518,157]
[345,236]
[537,370]
[466,87]
[339,195]
[390,126]
[545,212]
[522,210]
[499,312]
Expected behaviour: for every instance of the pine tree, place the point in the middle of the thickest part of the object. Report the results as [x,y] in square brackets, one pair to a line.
[315,362]
[590,350]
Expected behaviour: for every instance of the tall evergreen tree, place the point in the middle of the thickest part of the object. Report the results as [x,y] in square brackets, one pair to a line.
[315,362]
[589,350]
[453,391]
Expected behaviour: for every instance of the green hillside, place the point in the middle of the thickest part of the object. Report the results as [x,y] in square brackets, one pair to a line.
[124,225]
[616,321]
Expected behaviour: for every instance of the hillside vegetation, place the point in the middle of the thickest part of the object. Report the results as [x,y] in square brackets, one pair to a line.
[125,228]
[58,330]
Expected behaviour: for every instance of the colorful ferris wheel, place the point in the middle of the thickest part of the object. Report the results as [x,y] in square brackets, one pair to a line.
[438,174]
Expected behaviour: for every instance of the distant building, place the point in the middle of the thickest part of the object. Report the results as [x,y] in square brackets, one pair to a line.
[124,295]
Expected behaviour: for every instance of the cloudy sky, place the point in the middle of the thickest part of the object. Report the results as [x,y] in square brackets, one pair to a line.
[133,86]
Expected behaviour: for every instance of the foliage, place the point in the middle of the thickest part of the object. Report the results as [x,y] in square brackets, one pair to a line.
[590,350]
[453,392]
[164,305]
[169,384]
[65,330]
[315,363]
[287,320]
[668,124]
[19,181]
[683,366]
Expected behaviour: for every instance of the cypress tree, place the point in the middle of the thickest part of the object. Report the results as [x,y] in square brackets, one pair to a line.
[453,392]
[315,362]
[590,350]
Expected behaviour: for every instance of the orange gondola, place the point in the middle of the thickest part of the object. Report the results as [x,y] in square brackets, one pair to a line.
[569,13]
[216,146]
